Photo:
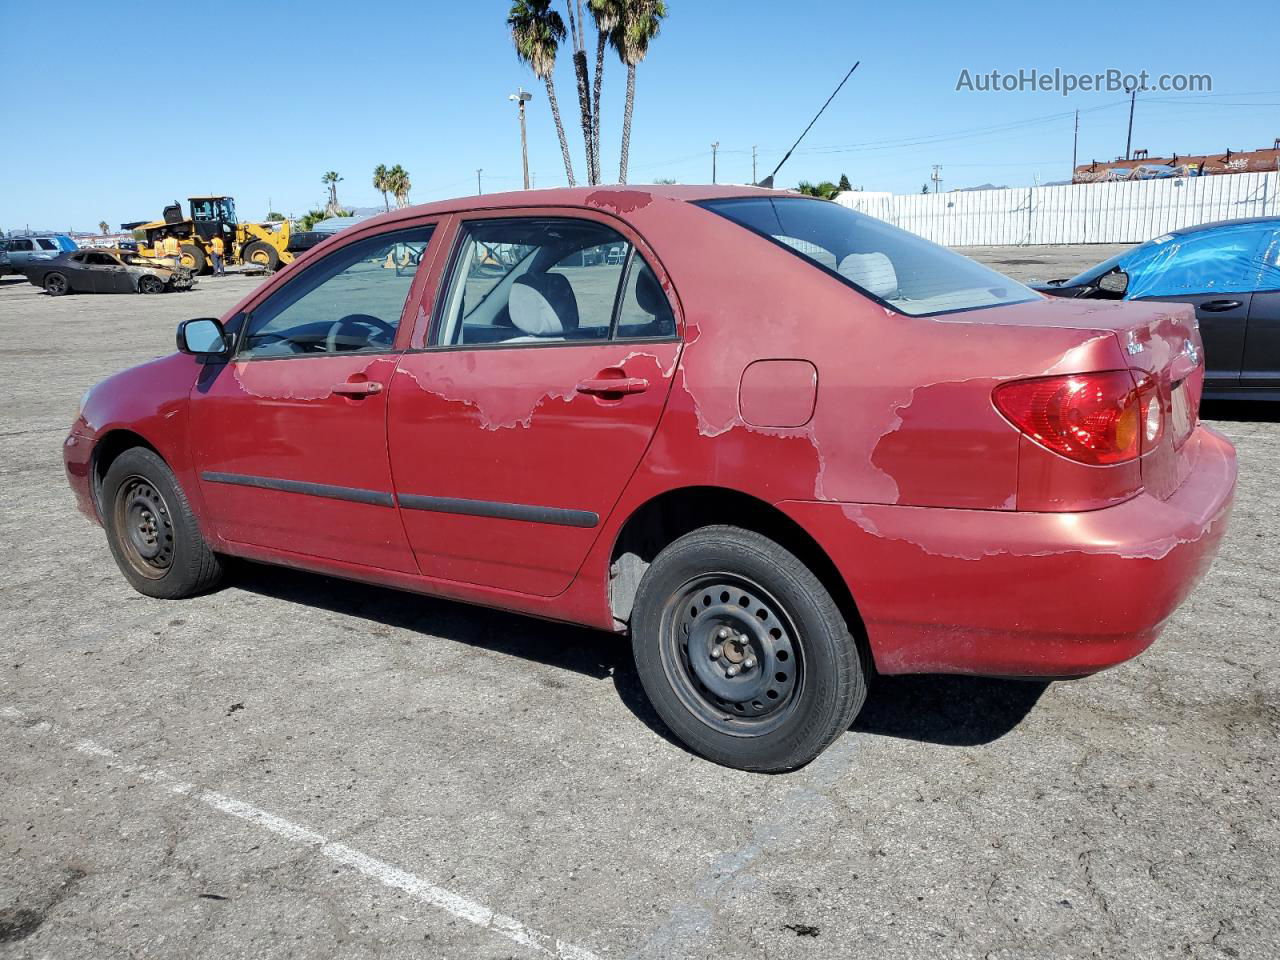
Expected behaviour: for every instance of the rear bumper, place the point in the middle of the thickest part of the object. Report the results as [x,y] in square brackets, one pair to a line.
[1008,593]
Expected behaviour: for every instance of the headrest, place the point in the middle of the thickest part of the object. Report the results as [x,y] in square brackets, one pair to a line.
[543,305]
[873,272]
[649,294]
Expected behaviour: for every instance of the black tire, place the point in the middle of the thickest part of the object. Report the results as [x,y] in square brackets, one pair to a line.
[151,531]
[190,251]
[56,284]
[805,682]
[260,254]
[150,285]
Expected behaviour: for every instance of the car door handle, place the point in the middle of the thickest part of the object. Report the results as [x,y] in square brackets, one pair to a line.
[358,388]
[614,385]
[1220,306]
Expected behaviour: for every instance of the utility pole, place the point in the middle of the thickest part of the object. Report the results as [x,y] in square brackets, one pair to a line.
[1075,143]
[479,189]
[714,147]
[522,98]
[753,164]
[1128,141]
[937,178]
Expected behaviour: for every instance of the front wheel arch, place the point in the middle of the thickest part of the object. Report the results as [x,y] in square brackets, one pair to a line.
[109,446]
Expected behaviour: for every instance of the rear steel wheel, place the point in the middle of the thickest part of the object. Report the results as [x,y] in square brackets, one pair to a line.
[732,655]
[56,285]
[743,652]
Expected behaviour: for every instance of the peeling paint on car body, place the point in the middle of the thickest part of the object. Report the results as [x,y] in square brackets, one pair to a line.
[966,546]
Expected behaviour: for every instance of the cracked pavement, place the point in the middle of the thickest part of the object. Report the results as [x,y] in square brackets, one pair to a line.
[516,764]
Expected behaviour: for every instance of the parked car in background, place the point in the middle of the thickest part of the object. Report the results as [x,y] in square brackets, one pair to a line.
[106,271]
[781,443]
[17,252]
[1230,273]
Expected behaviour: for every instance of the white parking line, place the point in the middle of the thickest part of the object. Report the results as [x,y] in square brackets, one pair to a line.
[384,873]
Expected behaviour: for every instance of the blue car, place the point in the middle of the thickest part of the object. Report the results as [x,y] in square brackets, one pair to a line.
[1230,272]
[17,252]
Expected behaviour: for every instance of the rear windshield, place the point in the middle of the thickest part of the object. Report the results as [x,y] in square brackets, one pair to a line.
[896,268]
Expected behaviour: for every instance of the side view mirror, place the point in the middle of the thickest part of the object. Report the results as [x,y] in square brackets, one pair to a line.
[1117,282]
[203,337]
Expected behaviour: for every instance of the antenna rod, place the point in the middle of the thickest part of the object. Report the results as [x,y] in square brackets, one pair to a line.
[769,179]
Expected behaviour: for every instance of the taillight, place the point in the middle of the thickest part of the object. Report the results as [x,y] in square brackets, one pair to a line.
[1092,418]
[1152,412]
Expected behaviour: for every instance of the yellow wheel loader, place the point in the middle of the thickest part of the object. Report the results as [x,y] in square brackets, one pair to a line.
[263,245]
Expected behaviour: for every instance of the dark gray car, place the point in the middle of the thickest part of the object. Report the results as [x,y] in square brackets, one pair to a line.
[106,271]
[1230,272]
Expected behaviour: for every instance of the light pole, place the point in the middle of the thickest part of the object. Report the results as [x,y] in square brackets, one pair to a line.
[714,147]
[479,189]
[521,98]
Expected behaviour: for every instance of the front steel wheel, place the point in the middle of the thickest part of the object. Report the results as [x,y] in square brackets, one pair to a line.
[151,530]
[150,285]
[743,652]
[143,517]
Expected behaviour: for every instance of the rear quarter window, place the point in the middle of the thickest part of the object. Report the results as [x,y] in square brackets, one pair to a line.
[898,269]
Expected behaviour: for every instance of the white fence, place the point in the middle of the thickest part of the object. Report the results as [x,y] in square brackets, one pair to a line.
[1124,212]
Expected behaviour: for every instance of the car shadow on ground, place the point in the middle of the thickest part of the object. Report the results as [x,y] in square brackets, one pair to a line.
[951,711]
[945,710]
[1240,411]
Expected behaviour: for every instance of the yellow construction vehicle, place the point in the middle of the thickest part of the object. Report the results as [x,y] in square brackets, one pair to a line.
[264,245]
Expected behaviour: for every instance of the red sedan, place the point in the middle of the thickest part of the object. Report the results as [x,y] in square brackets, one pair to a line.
[781,444]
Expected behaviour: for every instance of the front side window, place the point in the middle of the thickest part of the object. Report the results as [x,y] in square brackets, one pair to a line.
[548,280]
[902,271]
[347,302]
[16,245]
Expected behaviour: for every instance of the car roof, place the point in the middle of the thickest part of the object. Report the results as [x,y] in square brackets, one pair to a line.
[1240,222]
[620,198]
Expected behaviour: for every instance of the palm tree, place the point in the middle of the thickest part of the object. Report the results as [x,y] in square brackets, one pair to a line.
[399,184]
[607,15]
[641,20]
[380,183]
[536,32]
[104,227]
[578,33]
[331,180]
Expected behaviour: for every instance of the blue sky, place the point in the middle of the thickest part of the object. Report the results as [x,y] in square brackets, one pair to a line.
[123,110]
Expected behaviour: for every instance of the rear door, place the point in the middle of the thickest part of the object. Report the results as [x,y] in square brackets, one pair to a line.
[516,428]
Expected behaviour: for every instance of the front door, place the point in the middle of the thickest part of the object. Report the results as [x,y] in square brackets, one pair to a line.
[516,430]
[1223,319]
[290,435]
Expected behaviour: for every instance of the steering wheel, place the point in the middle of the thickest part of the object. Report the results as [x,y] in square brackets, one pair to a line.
[358,323]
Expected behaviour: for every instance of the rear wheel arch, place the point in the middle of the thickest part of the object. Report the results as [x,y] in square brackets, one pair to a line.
[665,518]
